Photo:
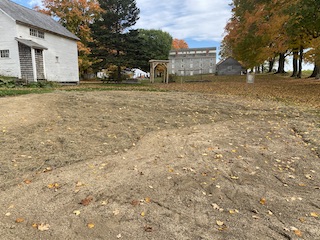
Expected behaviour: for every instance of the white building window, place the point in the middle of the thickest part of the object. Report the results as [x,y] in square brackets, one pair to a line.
[36,33]
[191,65]
[172,65]
[4,53]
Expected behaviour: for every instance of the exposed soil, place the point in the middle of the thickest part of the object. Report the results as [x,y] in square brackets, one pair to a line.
[155,165]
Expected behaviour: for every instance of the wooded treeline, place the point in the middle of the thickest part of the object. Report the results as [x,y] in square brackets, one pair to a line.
[261,31]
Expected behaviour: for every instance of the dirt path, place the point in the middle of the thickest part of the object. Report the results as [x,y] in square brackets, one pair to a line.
[140,165]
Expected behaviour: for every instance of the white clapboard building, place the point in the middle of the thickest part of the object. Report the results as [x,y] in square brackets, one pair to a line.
[34,47]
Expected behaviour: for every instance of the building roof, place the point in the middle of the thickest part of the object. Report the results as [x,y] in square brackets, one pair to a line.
[30,43]
[29,17]
[227,59]
[193,49]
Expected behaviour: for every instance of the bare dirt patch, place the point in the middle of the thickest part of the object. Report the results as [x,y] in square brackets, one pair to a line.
[150,165]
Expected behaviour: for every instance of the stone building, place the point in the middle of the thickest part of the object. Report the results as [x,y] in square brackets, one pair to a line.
[35,47]
[192,61]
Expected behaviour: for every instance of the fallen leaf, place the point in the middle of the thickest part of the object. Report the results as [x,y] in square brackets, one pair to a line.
[35,225]
[148,200]
[148,228]
[216,207]
[298,233]
[116,212]
[76,212]
[313,214]
[142,214]
[308,176]
[43,227]
[86,201]
[119,236]
[48,169]
[8,214]
[90,225]
[263,201]
[19,220]
[219,223]
[135,202]
[27,181]
[53,186]
[233,211]
[79,184]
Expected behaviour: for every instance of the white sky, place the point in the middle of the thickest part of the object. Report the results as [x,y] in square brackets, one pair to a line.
[201,20]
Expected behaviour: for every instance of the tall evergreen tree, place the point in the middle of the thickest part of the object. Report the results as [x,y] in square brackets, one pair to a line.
[112,33]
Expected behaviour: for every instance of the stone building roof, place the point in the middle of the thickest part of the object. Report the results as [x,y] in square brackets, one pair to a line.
[29,17]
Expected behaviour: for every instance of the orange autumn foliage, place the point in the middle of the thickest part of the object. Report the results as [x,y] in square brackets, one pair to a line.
[179,43]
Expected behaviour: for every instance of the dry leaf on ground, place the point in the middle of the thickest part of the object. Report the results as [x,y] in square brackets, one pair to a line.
[43,227]
[19,220]
[86,201]
[90,225]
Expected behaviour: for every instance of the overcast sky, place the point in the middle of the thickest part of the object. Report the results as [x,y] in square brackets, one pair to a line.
[199,22]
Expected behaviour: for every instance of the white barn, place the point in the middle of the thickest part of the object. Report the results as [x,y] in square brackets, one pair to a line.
[35,47]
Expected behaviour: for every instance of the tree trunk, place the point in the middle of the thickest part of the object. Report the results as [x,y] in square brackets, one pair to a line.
[271,63]
[281,63]
[300,62]
[295,64]
[315,71]
[118,68]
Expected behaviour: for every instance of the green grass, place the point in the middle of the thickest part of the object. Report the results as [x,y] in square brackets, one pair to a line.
[21,91]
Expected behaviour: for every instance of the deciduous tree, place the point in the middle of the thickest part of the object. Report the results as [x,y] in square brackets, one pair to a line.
[179,44]
[76,16]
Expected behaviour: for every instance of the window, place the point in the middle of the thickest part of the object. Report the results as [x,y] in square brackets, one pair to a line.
[36,33]
[40,34]
[4,53]
[33,32]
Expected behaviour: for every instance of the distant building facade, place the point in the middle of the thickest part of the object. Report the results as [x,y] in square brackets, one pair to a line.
[192,61]
[230,66]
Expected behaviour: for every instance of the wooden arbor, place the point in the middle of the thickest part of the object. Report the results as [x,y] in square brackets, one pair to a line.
[163,64]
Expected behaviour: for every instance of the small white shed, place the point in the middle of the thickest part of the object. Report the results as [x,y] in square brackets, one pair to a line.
[35,47]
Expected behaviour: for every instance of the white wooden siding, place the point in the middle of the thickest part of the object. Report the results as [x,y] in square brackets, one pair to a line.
[61,48]
[8,31]
[64,70]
